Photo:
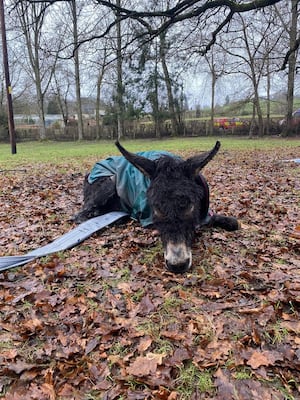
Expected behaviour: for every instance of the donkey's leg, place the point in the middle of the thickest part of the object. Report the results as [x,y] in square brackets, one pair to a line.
[100,197]
[221,221]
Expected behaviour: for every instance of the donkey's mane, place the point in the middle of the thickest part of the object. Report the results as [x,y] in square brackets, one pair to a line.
[169,166]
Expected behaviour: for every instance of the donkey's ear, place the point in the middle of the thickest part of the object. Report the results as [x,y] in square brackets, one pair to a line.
[193,165]
[146,166]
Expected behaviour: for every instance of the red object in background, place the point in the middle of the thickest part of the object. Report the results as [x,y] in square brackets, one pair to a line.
[228,123]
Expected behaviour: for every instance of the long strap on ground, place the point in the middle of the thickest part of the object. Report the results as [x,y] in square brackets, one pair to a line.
[66,241]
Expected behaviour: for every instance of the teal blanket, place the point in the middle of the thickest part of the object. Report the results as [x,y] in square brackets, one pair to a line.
[131,184]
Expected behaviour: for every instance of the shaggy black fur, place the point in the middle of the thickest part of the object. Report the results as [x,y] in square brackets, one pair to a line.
[99,197]
[178,196]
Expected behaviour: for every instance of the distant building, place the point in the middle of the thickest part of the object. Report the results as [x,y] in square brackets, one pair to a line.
[33,120]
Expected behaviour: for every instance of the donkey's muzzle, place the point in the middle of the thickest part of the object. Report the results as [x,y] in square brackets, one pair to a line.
[178,257]
[179,268]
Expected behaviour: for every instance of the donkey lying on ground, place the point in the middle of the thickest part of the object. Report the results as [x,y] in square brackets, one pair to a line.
[158,189]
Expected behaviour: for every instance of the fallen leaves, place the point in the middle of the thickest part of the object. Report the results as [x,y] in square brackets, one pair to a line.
[296,232]
[146,365]
[106,320]
[260,358]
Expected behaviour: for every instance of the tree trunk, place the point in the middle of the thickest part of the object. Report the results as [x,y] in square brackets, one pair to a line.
[259,112]
[291,70]
[155,106]
[41,106]
[62,102]
[252,123]
[268,97]
[175,119]
[98,129]
[77,71]
[213,91]
[120,104]
[98,95]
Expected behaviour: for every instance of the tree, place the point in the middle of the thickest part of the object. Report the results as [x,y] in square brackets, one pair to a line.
[73,9]
[174,110]
[101,73]
[53,106]
[153,89]
[255,63]
[152,83]
[61,90]
[154,21]
[291,60]
[216,63]
[120,87]
[31,19]
[251,45]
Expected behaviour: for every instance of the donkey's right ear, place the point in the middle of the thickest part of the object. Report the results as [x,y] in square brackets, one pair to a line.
[143,164]
[194,164]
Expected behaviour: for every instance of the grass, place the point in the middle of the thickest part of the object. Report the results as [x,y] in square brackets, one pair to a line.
[191,378]
[151,253]
[171,303]
[276,333]
[243,373]
[118,349]
[75,153]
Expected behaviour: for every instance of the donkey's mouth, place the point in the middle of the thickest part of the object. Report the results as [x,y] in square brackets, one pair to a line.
[178,257]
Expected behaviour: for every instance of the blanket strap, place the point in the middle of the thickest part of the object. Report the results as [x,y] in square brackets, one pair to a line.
[66,241]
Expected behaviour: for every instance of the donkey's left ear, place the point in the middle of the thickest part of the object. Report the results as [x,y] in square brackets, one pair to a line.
[143,164]
[193,165]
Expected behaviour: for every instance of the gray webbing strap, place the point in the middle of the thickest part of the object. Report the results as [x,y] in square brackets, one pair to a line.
[66,241]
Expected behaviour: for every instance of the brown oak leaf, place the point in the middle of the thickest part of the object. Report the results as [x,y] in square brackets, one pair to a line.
[143,366]
[259,358]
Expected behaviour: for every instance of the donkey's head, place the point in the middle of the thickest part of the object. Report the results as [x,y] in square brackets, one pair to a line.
[178,199]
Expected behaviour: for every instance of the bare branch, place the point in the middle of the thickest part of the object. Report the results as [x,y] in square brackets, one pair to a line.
[183,10]
[289,52]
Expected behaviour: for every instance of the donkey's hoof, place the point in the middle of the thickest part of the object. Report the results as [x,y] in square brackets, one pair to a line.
[232,224]
[79,218]
[227,223]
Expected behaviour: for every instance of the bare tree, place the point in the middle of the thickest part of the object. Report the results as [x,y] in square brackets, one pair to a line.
[98,98]
[215,60]
[73,8]
[120,87]
[247,45]
[177,127]
[153,93]
[185,10]
[101,70]
[292,30]
[153,21]
[31,19]
[61,89]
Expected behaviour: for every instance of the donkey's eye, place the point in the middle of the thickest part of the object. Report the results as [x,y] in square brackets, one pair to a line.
[190,209]
[158,213]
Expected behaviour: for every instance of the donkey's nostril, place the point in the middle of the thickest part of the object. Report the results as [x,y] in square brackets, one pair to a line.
[178,257]
[179,268]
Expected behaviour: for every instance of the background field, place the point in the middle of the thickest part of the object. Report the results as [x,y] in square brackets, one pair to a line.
[82,153]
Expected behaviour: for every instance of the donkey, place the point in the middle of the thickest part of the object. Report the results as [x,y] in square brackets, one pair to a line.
[158,189]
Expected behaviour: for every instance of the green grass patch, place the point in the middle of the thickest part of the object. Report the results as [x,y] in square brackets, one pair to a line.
[243,373]
[191,378]
[77,153]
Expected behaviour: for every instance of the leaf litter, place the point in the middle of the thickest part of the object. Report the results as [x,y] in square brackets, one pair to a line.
[106,320]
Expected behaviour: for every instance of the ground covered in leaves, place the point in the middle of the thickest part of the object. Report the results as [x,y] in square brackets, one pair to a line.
[105,320]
